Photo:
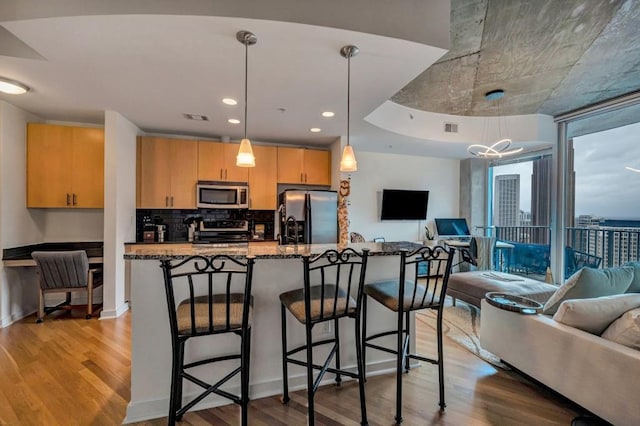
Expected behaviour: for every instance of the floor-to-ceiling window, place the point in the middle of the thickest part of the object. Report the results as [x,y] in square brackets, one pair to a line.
[601,185]
[520,211]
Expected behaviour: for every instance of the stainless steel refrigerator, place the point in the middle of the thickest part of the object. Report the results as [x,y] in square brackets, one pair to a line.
[308,217]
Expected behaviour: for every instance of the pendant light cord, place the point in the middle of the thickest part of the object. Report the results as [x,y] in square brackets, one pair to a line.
[348,94]
[246,84]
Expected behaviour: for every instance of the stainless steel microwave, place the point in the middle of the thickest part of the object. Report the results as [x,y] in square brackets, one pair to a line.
[222,196]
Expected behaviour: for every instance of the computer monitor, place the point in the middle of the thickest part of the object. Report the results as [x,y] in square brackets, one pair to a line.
[452,228]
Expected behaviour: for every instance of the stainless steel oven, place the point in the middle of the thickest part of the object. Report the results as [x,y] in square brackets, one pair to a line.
[223,196]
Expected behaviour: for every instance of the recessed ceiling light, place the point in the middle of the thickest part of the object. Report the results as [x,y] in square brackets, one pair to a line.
[328,114]
[196,117]
[233,121]
[12,87]
[229,101]
[315,129]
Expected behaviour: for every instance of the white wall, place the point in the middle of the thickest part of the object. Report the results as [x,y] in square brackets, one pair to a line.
[119,208]
[66,225]
[18,226]
[391,171]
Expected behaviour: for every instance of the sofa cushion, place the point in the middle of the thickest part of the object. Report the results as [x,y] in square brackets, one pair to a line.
[595,315]
[588,283]
[635,283]
[625,330]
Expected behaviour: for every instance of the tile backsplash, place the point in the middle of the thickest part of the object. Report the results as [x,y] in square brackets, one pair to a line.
[177,230]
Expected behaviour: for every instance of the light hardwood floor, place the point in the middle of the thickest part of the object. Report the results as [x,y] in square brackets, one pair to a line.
[72,371]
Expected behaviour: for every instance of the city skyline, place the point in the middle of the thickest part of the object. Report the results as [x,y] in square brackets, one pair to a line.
[603,186]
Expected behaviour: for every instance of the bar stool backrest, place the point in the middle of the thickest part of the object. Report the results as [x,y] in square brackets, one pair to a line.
[336,277]
[430,268]
[211,289]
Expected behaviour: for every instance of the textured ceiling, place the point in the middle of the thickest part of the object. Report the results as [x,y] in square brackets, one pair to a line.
[549,56]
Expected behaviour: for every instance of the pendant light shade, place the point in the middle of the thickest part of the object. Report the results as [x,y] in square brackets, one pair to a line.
[348,161]
[245,157]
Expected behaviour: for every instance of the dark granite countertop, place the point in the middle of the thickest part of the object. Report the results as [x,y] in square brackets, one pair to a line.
[262,251]
[94,249]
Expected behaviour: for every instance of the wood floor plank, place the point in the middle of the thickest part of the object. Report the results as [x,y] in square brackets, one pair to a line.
[69,371]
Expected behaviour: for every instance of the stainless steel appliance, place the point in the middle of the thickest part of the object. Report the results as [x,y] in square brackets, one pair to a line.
[221,195]
[308,217]
[225,231]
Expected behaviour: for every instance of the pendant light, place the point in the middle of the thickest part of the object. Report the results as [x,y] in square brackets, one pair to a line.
[245,157]
[348,161]
[500,148]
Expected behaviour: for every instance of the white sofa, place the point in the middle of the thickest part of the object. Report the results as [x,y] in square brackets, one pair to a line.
[597,374]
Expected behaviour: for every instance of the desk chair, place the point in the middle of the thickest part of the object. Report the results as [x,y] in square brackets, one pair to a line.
[412,291]
[65,271]
[329,280]
[218,301]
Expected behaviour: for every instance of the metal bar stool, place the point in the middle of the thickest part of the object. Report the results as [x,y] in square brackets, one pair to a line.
[422,284]
[329,280]
[218,300]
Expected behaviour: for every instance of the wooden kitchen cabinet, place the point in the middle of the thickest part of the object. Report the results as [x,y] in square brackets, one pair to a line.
[217,162]
[65,166]
[263,178]
[168,173]
[308,166]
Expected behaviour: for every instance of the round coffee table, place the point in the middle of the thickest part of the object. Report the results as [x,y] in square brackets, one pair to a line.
[512,302]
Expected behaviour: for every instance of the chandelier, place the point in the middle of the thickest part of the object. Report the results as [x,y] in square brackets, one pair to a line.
[501,148]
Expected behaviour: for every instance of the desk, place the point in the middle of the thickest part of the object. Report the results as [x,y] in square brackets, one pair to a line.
[21,256]
[502,250]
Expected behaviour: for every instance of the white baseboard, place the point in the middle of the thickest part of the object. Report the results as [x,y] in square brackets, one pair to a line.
[114,313]
[7,320]
[153,409]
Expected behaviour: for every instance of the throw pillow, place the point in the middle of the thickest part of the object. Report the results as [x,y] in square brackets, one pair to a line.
[635,283]
[625,330]
[595,315]
[588,283]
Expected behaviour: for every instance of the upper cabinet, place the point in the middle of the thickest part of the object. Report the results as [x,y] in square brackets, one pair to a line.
[65,166]
[167,173]
[263,185]
[217,161]
[307,166]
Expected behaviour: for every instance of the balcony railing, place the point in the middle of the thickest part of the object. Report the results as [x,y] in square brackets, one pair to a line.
[615,246]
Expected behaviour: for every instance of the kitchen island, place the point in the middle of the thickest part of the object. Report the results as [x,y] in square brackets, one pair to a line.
[277,269]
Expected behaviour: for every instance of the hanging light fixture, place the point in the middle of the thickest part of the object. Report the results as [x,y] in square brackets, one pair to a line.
[501,148]
[245,157]
[348,161]
[12,87]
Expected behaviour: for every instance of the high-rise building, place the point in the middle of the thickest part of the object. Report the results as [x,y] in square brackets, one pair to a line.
[506,207]
[541,192]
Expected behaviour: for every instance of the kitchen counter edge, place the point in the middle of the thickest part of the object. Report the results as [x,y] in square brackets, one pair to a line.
[261,251]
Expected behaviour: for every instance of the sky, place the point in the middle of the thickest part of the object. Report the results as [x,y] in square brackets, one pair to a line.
[603,186]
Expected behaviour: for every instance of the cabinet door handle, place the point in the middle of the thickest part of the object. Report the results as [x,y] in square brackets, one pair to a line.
[220,173]
[225,174]
[302,177]
[75,199]
[68,199]
[172,201]
[166,201]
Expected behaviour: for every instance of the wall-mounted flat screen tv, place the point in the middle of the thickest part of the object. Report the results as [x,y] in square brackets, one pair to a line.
[402,204]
